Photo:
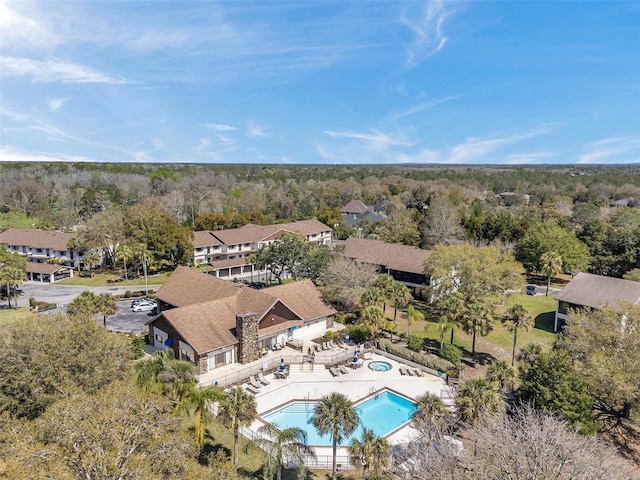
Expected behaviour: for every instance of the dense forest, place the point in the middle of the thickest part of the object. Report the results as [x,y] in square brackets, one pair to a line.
[566,212]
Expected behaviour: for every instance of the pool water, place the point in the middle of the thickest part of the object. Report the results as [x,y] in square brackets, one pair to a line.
[379,366]
[381,413]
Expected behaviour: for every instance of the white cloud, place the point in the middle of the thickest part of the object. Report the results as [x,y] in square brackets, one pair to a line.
[422,106]
[12,154]
[218,127]
[375,139]
[254,131]
[528,158]
[21,30]
[55,70]
[622,149]
[474,149]
[55,103]
[428,37]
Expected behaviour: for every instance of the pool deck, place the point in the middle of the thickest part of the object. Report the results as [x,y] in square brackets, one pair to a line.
[357,384]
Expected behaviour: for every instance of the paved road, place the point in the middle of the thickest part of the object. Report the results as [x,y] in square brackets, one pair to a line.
[123,321]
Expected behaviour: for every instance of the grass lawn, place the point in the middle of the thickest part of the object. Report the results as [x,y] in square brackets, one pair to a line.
[100,279]
[500,341]
[9,316]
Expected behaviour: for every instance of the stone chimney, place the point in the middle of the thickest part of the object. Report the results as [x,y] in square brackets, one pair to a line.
[247,333]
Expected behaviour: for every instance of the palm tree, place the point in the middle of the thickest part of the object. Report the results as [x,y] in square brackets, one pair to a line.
[453,307]
[372,318]
[445,324]
[149,370]
[74,245]
[401,297]
[198,403]
[237,408]
[501,374]
[177,379]
[335,414]
[12,277]
[106,304]
[429,408]
[477,396]
[413,314]
[91,259]
[372,297]
[477,320]
[283,446]
[386,284]
[551,265]
[371,452]
[124,253]
[517,316]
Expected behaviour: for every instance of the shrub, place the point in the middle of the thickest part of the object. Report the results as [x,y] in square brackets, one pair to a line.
[451,353]
[127,294]
[358,335]
[168,274]
[328,335]
[138,345]
[430,361]
[415,343]
[33,303]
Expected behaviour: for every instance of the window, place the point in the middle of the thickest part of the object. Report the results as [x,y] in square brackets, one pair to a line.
[158,338]
[185,355]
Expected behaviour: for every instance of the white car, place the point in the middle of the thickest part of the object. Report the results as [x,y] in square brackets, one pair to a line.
[144,306]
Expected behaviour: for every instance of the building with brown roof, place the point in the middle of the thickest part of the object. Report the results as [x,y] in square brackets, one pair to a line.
[40,247]
[587,290]
[227,250]
[405,264]
[213,322]
[356,211]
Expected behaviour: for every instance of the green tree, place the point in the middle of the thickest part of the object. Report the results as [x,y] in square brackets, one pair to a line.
[501,374]
[106,304]
[210,221]
[430,410]
[163,373]
[516,317]
[386,284]
[335,415]
[343,282]
[91,259]
[550,266]
[370,452]
[285,254]
[88,304]
[478,396]
[100,435]
[74,245]
[288,445]
[475,275]
[413,314]
[237,409]
[126,254]
[372,297]
[33,375]
[104,231]
[197,403]
[12,277]
[372,319]
[550,382]
[548,237]
[606,347]
[401,296]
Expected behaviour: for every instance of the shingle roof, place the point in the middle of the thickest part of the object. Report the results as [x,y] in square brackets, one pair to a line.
[205,238]
[393,256]
[355,206]
[596,290]
[36,238]
[207,306]
[46,268]
[255,233]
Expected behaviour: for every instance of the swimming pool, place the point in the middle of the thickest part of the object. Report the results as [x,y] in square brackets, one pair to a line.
[382,413]
[380,366]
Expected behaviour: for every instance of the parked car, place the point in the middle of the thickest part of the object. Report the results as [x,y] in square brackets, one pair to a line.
[144,306]
[532,289]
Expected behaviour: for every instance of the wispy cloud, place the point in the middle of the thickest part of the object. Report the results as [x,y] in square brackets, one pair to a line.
[375,138]
[10,153]
[55,70]
[21,30]
[530,157]
[428,36]
[218,127]
[474,148]
[620,149]
[55,103]
[422,106]
[254,130]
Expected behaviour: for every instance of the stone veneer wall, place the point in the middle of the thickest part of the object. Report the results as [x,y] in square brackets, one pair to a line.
[202,364]
[247,333]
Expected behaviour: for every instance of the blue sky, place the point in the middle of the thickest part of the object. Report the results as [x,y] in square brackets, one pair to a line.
[320,82]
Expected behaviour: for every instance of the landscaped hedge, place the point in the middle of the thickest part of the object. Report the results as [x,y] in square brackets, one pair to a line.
[423,358]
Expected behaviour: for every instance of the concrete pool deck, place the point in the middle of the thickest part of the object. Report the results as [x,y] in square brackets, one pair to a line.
[356,384]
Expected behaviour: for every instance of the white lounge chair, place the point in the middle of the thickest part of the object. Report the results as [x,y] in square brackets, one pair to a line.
[334,371]
[253,382]
[343,370]
[251,389]
[263,380]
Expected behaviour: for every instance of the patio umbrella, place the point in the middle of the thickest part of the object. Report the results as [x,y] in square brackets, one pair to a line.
[346,338]
[282,365]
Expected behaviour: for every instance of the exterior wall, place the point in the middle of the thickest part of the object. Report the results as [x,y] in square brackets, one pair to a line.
[247,334]
[310,329]
[165,327]
[158,337]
